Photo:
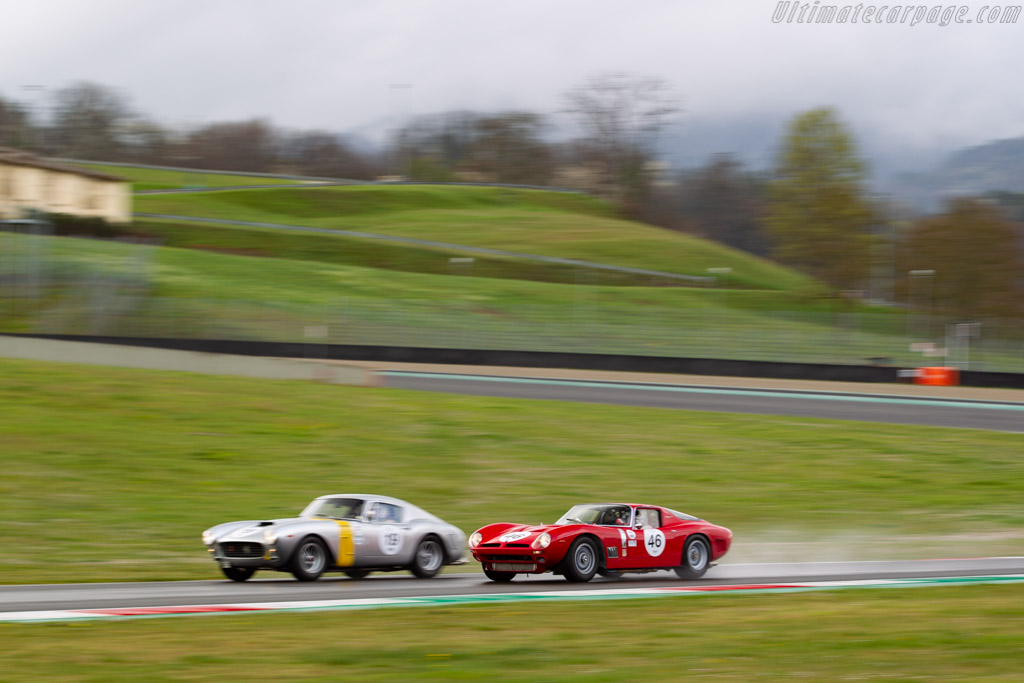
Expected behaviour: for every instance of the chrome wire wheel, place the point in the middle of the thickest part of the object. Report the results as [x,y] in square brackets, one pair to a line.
[428,558]
[312,558]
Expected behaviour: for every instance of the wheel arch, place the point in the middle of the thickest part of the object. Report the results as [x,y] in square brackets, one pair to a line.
[594,541]
[332,560]
[707,539]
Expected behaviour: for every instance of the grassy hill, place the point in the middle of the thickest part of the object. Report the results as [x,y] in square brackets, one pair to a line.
[162,179]
[524,221]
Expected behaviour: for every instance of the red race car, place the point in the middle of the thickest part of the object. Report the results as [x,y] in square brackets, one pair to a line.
[603,538]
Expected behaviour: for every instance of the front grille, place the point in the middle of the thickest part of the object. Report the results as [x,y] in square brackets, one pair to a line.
[489,545]
[508,558]
[517,545]
[513,567]
[241,549]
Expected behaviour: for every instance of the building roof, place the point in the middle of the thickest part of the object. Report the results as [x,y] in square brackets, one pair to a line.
[17,157]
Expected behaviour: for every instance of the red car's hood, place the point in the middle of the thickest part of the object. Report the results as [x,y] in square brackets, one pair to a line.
[515,533]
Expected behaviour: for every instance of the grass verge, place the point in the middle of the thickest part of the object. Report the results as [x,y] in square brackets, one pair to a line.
[936,634]
[111,474]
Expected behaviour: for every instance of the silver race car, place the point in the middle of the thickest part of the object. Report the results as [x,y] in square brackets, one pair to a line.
[347,532]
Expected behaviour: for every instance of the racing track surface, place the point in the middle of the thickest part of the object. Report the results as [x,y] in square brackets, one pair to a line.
[281,587]
[1004,416]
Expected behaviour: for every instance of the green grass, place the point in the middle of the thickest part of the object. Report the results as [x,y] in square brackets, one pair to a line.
[522,221]
[157,179]
[934,634]
[111,474]
[368,253]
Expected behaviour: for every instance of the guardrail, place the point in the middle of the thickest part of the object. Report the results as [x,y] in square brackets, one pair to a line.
[540,359]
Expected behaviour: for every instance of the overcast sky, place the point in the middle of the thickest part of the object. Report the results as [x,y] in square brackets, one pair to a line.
[330,63]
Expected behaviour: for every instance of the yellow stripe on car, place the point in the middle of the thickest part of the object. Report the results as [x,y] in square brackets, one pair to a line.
[346,546]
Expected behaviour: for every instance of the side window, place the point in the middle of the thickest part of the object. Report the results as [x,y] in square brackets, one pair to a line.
[648,518]
[388,513]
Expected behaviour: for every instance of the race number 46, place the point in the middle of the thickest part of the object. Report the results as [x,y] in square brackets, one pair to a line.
[654,541]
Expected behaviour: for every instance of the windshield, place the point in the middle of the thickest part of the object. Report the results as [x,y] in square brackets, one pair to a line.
[336,508]
[601,515]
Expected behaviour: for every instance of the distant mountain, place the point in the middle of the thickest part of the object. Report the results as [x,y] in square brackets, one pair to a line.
[996,166]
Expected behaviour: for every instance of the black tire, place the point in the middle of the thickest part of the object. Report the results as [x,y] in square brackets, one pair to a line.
[696,558]
[580,563]
[238,573]
[310,559]
[610,574]
[357,573]
[499,577]
[428,559]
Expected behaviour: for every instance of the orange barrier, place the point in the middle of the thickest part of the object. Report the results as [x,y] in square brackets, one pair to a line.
[938,377]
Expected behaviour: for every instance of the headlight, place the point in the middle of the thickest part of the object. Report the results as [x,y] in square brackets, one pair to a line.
[475,539]
[542,541]
[209,538]
[270,537]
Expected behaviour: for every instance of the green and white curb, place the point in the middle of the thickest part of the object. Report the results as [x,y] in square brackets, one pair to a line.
[490,598]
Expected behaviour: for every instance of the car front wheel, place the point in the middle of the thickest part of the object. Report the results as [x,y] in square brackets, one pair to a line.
[696,558]
[581,561]
[238,573]
[309,560]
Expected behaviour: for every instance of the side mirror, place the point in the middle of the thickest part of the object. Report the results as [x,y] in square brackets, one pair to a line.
[638,526]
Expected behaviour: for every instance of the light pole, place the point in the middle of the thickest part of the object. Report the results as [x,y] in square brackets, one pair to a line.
[36,113]
[926,274]
[724,272]
[400,168]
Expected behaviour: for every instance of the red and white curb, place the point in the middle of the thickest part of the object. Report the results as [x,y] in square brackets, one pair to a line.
[485,598]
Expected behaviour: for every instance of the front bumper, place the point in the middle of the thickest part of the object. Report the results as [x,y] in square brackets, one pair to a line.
[519,560]
[245,554]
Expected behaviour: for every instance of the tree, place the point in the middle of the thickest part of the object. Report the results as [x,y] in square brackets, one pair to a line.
[15,127]
[323,154]
[621,116]
[817,216]
[724,202]
[89,122]
[976,258]
[234,145]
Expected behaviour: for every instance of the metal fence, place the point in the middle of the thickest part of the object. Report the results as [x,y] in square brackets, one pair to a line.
[123,297]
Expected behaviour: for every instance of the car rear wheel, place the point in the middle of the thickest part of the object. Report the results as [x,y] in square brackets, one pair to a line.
[357,573]
[309,560]
[500,577]
[238,573]
[428,559]
[581,561]
[696,558]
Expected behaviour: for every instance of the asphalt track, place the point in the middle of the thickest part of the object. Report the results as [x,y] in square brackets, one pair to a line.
[282,588]
[1003,416]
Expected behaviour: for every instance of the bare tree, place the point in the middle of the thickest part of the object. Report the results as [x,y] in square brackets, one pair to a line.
[16,128]
[234,145]
[621,116]
[89,122]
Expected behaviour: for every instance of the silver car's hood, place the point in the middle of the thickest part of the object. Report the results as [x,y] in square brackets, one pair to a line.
[252,529]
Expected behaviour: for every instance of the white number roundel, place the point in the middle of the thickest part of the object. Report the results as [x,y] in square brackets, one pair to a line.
[390,542]
[654,542]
